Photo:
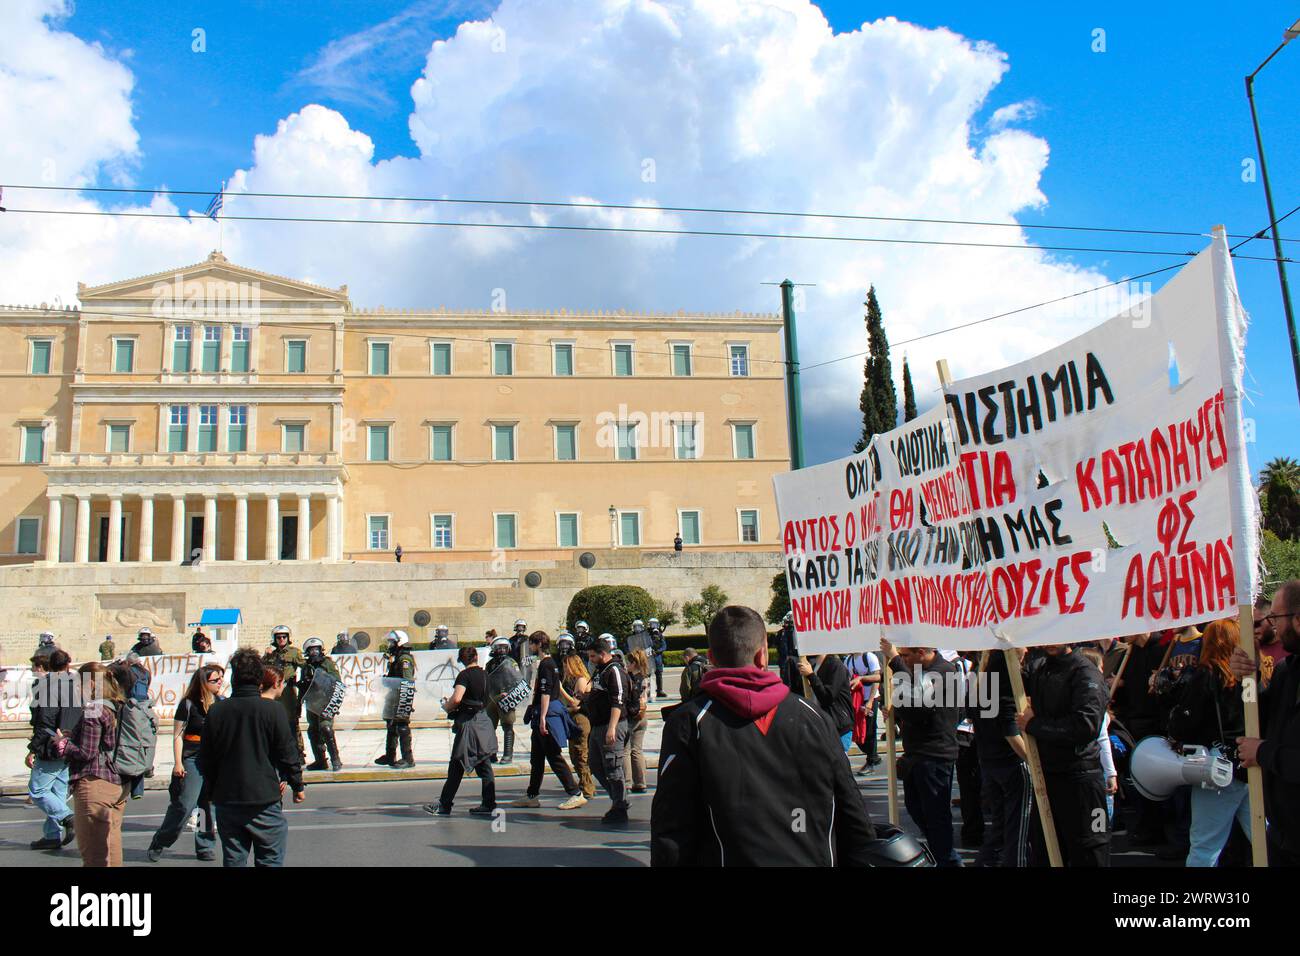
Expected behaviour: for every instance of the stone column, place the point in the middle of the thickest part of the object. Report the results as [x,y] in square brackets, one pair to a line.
[178,554]
[241,527]
[304,528]
[209,528]
[332,527]
[146,528]
[272,527]
[81,554]
[114,528]
[54,529]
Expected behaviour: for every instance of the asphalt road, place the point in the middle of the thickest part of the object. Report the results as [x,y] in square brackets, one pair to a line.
[382,824]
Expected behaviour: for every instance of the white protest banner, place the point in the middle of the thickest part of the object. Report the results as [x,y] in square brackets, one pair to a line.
[1088,492]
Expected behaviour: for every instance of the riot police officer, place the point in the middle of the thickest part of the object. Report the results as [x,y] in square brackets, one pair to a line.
[441,639]
[401,667]
[658,645]
[503,676]
[283,656]
[343,644]
[519,641]
[320,730]
[639,640]
[583,641]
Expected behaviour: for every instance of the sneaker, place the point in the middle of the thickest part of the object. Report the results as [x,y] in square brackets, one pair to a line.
[575,801]
[337,767]
[437,809]
[69,834]
[482,810]
[661,696]
[318,765]
[526,802]
[638,789]
[46,843]
[385,760]
[403,764]
[616,817]
[205,857]
[154,853]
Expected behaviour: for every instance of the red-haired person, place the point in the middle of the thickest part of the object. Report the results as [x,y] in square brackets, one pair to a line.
[187,790]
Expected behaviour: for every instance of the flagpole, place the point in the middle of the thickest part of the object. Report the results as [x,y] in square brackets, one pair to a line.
[221,225]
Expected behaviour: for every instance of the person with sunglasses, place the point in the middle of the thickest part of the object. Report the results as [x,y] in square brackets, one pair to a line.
[187,790]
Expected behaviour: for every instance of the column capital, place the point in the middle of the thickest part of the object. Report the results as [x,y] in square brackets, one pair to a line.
[239,495]
[146,496]
[209,496]
[113,495]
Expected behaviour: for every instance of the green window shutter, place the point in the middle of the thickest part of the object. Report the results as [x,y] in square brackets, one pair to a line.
[503,442]
[181,357]
[502,359]
[237,438]
[690,527]
[41,358]
[119,439]
[442,443]
[630,527]
[295,438]
[442,358]
[622,360]
[33,444]
[505,531]
[378,358]
[123,355]
[379,443]
[744,441]
[296,353]
[564,360]
[28,535]
[239,356]
[568,531]
[681,360]
[566,443]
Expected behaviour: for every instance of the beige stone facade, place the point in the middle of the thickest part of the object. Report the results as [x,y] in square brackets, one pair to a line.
[214,413]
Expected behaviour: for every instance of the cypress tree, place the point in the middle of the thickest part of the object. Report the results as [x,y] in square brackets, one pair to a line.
[879,401]
[909,396]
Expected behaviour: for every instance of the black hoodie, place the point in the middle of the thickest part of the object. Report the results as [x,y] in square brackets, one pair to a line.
[830,684]
[1068,697]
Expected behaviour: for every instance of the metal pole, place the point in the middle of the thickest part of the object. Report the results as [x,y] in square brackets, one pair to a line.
[793,403]
[1272,218]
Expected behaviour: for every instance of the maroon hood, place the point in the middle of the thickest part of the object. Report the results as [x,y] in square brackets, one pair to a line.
[748,692]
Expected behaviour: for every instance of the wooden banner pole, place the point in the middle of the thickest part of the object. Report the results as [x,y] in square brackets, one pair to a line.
[1254,775]
[1119,673]
[891,743]
[1031,746]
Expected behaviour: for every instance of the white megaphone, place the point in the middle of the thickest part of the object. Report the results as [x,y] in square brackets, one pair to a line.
[1158,769]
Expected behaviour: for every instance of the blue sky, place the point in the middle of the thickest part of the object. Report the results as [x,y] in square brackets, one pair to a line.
[1150,133]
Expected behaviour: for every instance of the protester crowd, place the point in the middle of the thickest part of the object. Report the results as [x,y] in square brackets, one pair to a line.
[754,764]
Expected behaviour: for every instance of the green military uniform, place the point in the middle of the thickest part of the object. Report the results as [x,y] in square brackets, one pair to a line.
[320,730]
[401,665]
[107,650]
[288,660]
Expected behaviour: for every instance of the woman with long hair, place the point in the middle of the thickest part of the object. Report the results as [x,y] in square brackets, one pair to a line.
[575,684]
[187,790]
[638,701]
[1208,711]
[99,795]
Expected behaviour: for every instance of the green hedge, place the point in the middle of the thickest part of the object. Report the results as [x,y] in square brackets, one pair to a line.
[610,607]
[674,658]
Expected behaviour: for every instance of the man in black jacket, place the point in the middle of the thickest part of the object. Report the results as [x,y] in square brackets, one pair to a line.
[1067,702]
[927,710]
[1007,793]
[829,682]
[247,757]
[1278,751]
[55,707]
[750,774]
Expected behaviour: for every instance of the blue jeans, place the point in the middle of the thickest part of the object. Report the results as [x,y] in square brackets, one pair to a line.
[48,788]
[846,740]
[1212,814]
[263,830]
[185,794]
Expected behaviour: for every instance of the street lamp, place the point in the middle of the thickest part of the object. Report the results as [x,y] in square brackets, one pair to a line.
[1287,36]
[613,527]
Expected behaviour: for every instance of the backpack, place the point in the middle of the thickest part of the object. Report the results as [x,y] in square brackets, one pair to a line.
[137,738]
[636,687]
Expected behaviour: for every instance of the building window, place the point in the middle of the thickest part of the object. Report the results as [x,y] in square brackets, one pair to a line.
[211,358]
[503,442]
[562,358]
[740,360]
[378,358]
[748,527]
[623,358]
[124,355]
[240,338]
[178,428]
[681,360]
[440,357]
[29,535]
[689,526]
[237,428]
[181,348]
[440,443]
[377,442]
[685,443]
[295,355]
[207,428]
[294,439]
[566,529]
[119,439]
[442,531]
[626,447]
[566,442]
[629,529]
[503,358]
[743,440]
[377,532]
[33,444]
[504,531]
[41,351]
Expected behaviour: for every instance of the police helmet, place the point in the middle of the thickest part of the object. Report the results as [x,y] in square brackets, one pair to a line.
[280,630]
[440,629]
[654,622]
[500,645]
[143,632]
[398,637]
[581,624]
[313,642]
[564,642]
[607,641]
[638,625]
[47,639]
[521,623]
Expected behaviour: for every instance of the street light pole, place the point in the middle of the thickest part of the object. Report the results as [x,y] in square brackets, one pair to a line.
[1288,36]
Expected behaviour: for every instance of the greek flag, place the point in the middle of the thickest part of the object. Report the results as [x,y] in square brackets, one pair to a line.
[214,207]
